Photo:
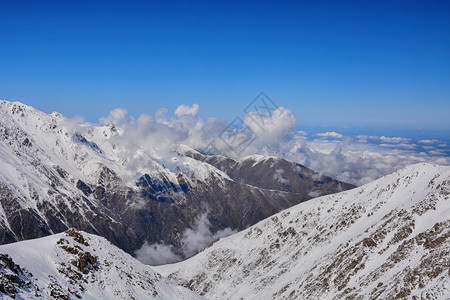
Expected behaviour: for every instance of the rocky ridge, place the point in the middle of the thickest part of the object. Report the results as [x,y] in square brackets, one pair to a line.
[74,265]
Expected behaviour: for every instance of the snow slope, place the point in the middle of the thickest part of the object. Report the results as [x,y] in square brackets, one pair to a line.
[384,240]
[74,265]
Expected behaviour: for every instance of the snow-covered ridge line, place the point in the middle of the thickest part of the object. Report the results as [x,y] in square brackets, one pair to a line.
[78,264]
[389,238]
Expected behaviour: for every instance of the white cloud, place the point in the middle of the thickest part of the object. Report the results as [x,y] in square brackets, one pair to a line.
[161,112]
[156,254]
[406,146]
[271,129]
[437,152]
[116,117]
[314,194]
[428,141]
[193,241]
[382,139]
[196,239]
[394,139]
[186,110]
[72,124]
[428,147]
[146,145]
[144,120]
[331,134]
[278,176]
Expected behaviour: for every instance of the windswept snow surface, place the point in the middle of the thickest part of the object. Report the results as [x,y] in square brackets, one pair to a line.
[75,265]
[386,239]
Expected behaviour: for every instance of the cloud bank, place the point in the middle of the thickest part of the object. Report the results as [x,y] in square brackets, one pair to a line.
[149,142]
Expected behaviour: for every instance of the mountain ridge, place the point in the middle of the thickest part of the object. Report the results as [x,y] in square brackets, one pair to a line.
[75,264]
[386,239]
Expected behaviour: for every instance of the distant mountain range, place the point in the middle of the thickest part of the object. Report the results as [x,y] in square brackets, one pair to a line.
[56,175]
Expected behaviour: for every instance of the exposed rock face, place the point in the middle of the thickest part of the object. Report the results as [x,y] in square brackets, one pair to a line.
[75,265]
[14,279]
[53,178]
[389,239]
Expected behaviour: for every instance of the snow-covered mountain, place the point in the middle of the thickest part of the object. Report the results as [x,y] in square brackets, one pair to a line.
[385,240]
[56,174]
[273,173]
[75,264]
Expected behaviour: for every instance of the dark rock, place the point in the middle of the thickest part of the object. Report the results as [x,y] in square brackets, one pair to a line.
[84,187]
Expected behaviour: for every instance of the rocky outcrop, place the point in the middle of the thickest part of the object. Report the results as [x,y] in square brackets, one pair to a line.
[14,279]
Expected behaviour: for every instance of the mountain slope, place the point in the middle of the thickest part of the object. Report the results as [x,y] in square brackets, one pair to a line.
[56,174]
[74,265]
[387,239]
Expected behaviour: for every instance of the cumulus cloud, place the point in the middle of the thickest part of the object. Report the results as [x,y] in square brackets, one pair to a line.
[437,152]
[186,110]
[332,134]
[117,116]
[366,138]
[394,139]
[271,128]
[428,141]
[144,120]
[406,146]
[428,147]
[382,139]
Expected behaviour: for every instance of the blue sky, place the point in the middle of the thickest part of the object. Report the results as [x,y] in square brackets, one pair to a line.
[368,63]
